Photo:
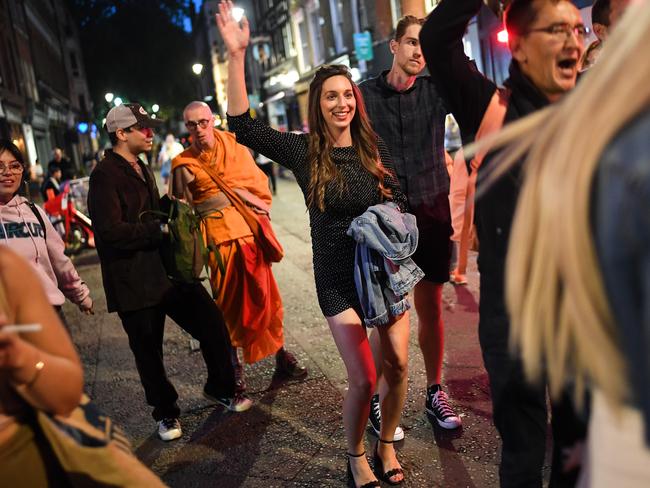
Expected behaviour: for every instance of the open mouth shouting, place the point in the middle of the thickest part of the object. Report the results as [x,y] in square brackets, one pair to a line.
[568,67]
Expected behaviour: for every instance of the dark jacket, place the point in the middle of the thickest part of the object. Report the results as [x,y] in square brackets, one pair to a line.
[132,269]
[467,93]
[68,169]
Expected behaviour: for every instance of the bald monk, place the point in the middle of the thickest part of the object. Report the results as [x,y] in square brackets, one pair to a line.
[247,292]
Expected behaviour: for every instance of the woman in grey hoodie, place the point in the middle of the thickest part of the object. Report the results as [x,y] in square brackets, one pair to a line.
[35,238]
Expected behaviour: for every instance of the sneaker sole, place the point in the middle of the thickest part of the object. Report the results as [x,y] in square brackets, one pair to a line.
[240,409]
[399,434]
[216,401]
[170,436]
[449,425]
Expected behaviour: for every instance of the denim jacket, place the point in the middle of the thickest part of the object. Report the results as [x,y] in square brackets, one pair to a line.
[621,227]
[384,272]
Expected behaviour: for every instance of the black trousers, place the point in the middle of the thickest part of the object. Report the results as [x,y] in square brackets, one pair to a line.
[520,413]
[191,307]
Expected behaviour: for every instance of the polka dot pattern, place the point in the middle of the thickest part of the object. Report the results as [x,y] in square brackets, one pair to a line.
[333,250]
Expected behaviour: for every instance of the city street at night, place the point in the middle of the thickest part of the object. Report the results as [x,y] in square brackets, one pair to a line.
[324,243]
[293,435]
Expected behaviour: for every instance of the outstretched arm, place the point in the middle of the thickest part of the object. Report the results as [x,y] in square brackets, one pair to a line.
[235,36]
[465,91]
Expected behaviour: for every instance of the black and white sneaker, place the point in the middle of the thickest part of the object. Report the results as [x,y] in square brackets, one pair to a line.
[437,406]
[169,429]
[375,419]
[238,403]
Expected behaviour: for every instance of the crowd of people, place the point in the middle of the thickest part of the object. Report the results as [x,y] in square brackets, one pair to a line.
[560,220]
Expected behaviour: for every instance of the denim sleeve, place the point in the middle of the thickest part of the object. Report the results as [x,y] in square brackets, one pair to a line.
[622,229]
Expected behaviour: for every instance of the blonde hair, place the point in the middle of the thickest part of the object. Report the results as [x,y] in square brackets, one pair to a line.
[562,324]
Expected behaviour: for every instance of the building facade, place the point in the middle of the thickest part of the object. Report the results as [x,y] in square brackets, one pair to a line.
[290,39]
[44,98]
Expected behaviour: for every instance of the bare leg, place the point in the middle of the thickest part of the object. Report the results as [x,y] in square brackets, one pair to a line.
[352,342]
[394,343]
[375,346]
[428,301]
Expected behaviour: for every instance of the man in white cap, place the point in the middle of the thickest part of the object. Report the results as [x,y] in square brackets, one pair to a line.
[122,187]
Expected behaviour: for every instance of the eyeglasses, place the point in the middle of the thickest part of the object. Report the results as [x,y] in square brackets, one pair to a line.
[14,167]
[562,30]
[191,125]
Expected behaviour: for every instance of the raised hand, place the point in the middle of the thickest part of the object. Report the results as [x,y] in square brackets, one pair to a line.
[235,34]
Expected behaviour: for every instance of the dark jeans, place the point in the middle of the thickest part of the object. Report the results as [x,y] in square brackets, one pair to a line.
[520,414]
[191,307]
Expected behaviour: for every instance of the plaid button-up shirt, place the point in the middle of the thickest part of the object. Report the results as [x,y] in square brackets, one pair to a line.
[412,124]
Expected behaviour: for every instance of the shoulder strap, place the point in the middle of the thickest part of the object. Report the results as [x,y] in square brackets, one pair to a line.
[235,199]
[39,217]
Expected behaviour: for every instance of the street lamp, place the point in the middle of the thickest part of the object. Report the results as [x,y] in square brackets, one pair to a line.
[117,101]
[108,97]
[155,107]
[197,68]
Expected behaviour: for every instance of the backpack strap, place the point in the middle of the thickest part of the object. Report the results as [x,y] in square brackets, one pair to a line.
[39,217]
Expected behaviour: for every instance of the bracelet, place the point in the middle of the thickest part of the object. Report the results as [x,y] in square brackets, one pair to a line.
[39,367]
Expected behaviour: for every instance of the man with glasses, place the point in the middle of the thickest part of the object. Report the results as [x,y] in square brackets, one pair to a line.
[122,191]
[546,39]
[244,288]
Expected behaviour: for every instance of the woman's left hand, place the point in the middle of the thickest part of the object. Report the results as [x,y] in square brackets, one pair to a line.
[235,34]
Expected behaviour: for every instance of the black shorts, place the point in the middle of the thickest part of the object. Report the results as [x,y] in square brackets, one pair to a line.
[433,254]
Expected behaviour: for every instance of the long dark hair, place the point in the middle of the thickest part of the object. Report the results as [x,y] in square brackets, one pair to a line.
[364,140]
[7,145]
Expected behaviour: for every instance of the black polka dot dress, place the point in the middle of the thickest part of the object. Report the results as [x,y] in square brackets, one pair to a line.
[333,250]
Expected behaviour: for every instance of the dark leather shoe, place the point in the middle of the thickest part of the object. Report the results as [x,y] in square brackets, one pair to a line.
[287,365]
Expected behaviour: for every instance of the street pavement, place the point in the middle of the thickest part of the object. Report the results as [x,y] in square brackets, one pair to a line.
[293,435]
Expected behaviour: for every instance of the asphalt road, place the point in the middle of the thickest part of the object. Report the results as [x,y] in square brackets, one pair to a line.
[293,435]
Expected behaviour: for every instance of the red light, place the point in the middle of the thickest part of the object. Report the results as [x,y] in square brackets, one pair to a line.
[502,36]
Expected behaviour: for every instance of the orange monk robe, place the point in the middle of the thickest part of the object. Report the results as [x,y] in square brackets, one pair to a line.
[247,292]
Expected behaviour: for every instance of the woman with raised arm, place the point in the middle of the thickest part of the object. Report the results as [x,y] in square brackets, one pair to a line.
[343,168]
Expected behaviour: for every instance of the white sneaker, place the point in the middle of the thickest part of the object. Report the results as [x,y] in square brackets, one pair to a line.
[169,429]
[375,420]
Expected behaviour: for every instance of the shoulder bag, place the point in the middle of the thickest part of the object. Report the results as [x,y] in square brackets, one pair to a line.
[259,223]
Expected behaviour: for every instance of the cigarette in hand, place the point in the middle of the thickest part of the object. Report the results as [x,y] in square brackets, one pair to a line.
[21,328]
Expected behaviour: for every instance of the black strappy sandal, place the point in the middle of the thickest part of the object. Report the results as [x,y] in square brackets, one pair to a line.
[351,482]
[379,467]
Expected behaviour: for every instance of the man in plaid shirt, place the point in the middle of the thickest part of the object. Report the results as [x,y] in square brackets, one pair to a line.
[409,116]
